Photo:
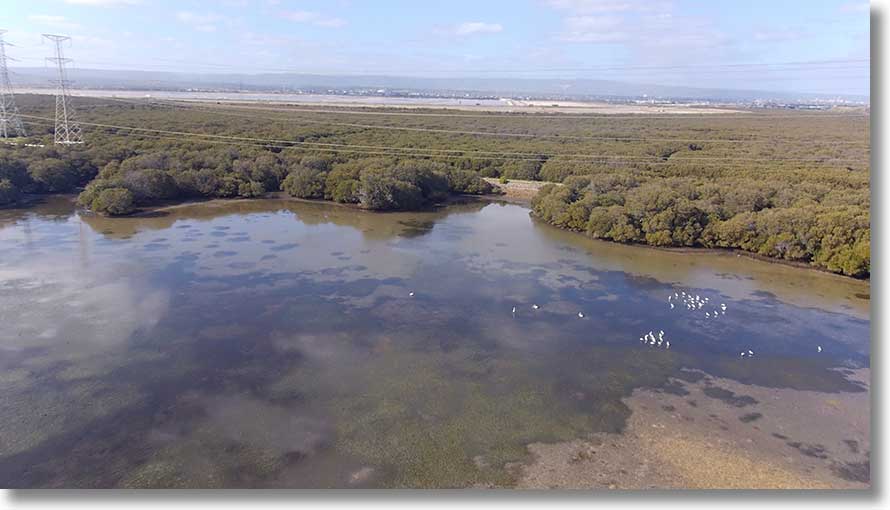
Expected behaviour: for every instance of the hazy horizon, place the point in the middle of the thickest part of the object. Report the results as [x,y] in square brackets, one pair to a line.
[791,47]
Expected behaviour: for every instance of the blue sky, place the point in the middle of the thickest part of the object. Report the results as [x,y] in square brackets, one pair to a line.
[678,42]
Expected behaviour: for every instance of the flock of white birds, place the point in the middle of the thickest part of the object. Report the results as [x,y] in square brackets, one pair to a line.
[692,303]
[677,300]
[695,303]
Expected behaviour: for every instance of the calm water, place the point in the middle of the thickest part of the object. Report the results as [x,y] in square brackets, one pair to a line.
[271,343]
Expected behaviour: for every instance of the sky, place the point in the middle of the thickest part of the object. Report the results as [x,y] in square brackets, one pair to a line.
[755,44]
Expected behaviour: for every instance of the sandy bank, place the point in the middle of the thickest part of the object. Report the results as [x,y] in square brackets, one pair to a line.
[698,436]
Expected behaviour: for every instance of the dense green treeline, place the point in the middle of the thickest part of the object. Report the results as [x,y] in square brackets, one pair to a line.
[789,185]
[814,223]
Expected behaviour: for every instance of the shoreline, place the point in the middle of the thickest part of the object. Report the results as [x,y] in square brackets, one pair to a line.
[716,251]
[516,197]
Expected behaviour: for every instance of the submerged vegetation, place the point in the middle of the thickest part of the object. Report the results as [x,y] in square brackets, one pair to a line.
[788,185]
[317,368]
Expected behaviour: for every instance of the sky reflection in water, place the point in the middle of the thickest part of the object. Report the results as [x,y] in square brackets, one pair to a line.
[267,343]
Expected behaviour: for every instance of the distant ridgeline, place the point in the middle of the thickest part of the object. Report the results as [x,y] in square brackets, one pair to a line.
[788,185]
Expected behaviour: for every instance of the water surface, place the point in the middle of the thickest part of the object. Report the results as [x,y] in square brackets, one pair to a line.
[278,344]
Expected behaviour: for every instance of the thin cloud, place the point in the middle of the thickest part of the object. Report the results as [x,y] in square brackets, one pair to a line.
[477,27]
[53,21]
[651,29]
[594,29]
[855,7]
[773,36]
[578,7]
[200,22]
[314,18]
[103,3]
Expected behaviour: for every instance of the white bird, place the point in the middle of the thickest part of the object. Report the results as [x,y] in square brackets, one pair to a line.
[667,344]
[672,306]
[750,352]
[514,310]
[707,299]
[723,306]
[411,294]
[670,296]
[660,332]
[581,315]
[708,314]
[743,354]
[818,348]
[534,307]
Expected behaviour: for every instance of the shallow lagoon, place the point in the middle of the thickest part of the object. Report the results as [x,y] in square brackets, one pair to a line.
[276,344]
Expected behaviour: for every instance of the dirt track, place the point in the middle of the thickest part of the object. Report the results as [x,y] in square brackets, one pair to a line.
[517,191]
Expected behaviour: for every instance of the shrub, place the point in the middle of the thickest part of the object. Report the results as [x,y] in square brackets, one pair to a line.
[91,192]
[490,171]
[556,170]
[522,170]
[52,176]
[381,192]
[229,186]
[9,192]
[428,176]
[346,192]
[342,182]
[150,185]
[320,163]
[465,181]
[113,202]
[15,171]
[250,189]
[304,182]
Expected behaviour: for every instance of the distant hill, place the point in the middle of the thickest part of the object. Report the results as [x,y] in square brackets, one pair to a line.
[154,80]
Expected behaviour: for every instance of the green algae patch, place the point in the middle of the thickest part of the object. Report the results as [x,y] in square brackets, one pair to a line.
[407,413]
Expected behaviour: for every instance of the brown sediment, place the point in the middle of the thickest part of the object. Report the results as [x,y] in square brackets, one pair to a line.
[801,440]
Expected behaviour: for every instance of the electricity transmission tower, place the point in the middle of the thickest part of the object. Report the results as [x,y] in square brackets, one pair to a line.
[67,129]
[10,122]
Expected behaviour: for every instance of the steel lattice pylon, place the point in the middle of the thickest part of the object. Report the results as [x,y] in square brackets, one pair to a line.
[67,129]
[10,122]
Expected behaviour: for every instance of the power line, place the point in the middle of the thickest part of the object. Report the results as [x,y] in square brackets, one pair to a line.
[67,130]
[452,153]
[10,122]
